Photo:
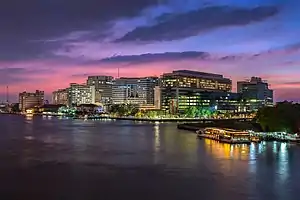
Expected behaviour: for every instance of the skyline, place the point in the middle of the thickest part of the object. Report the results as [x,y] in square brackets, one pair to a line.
[50,44]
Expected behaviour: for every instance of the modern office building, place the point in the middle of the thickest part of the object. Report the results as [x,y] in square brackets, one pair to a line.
[146,87]
[177,100]
[103,88]
[256,91]
[29,100]
[60,97]
[81,94]
[183,88]
[127,91]
[196,80]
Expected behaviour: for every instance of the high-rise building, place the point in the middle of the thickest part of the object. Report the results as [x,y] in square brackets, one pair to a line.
[60,97]
[157,97]
[103,88]
[196,80]
[128,90]
[183,88]
[256,90]
[81,94]
[29,100]
[146,87]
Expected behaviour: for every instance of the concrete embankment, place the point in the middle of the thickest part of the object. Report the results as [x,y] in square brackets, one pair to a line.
[221,124]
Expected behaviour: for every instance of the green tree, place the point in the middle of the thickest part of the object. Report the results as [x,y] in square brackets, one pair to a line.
[285,116]
[191,112]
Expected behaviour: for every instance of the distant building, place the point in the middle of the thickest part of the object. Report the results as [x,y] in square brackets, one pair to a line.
[29,100]
[60,97]
[81,94]
[183,88]
[256,91]
[103,88]
[146,87]
[134,90]
[50,108]
[196,80]
[3,107]
[128,91]
[157,97]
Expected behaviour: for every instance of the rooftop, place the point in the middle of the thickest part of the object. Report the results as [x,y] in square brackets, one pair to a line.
[197,73]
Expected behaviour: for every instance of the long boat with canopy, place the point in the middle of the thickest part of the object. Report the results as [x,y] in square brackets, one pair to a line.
[225,135]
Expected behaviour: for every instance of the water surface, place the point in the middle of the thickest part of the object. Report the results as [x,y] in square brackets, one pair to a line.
[51,158]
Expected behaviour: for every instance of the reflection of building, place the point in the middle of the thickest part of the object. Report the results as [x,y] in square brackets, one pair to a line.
[256,92]
[60,97]
[30,100]
[103,88]
[81,94]
[227,151]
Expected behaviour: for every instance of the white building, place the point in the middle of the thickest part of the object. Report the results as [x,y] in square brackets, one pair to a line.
[103,88]
[81,94]
[60,97]
[126,94]
[134,90]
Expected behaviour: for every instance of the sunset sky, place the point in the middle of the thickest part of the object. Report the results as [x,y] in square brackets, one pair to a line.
[47,44]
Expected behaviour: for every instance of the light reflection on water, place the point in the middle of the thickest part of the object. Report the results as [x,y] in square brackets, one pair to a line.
[139,156]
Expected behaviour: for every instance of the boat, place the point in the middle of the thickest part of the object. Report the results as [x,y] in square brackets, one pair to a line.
[255,139]
[225,135]
[295,140]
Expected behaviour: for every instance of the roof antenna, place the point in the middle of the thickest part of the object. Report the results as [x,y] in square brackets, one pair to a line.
[7,100]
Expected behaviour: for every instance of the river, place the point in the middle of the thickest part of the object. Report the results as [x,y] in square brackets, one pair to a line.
[52,158]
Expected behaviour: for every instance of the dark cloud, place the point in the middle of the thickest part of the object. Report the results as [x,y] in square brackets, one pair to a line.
[178,26]
[296,83]
[157,57]
[18,75]
[26,24]
[286,49]
[83,75]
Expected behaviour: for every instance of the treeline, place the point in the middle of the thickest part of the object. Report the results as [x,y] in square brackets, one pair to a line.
[285,116]
[194,111]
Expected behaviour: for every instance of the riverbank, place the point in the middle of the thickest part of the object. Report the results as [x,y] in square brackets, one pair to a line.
[232,124]
[252,127]
[190,120]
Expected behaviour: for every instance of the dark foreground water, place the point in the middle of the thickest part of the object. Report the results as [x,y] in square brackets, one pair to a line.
[43,158]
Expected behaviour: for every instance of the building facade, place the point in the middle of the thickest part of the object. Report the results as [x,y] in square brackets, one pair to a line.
[60,97]
[183,88]
[81,94]
[256,91]
[196,80]
[127,91]
[178,100]
[146,87]
[103,88]
[157,97]
[29,100]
